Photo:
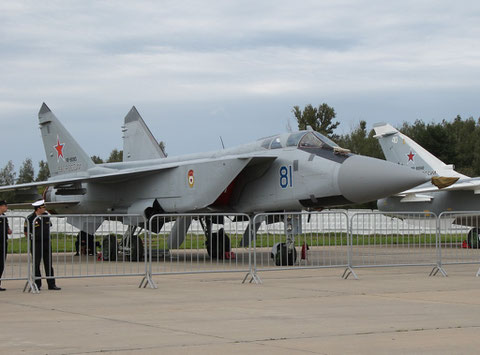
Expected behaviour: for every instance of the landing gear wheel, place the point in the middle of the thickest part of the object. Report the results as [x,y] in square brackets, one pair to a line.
[473,239]
[218,244]
[136,248]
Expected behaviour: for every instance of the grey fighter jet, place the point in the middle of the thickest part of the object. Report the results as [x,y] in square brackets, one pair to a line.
[286,172]
[463,195]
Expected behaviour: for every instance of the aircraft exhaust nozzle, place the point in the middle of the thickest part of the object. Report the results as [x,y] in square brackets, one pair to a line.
[363,179]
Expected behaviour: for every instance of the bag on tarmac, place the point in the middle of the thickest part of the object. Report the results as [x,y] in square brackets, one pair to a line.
[283,255]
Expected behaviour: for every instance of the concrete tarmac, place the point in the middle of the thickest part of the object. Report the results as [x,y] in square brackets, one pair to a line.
[386,311]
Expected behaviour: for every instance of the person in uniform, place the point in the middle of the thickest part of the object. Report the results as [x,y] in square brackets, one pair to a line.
[40,228]
[4,231]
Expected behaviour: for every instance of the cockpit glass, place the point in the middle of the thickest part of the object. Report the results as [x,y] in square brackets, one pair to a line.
[302,139]
[266,143]
[309,140]
[276,143]
[325,140]
[294,139]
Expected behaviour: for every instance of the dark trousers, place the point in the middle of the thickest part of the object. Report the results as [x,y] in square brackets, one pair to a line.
[3,255]
[43,251]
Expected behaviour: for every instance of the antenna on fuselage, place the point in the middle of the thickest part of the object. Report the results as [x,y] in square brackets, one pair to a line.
[221,140]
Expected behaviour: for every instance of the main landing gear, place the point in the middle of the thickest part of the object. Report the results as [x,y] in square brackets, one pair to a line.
[217,242]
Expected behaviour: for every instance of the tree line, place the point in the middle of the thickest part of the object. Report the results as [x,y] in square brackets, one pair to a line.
[453,142]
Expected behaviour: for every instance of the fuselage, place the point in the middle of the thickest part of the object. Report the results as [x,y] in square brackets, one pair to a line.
[291,171]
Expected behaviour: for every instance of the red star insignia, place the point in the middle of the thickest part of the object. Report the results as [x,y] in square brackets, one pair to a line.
[410,156]
[59,149]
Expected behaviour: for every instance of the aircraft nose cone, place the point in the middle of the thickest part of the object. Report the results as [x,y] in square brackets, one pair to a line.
[362,179]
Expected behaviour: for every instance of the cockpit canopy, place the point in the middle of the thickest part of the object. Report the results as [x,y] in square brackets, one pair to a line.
[302,139]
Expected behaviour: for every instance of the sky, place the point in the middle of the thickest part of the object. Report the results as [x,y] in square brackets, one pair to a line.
[200,70]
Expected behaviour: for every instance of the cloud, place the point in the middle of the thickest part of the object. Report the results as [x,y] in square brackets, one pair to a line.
[102,57]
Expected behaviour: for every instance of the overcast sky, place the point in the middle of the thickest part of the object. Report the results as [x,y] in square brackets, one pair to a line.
[197,70]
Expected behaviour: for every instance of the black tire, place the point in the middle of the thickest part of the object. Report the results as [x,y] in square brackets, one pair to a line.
[285,256]
[110,247]
[85,244]
[90,244]
[218,244]
[136,248]
[473,239]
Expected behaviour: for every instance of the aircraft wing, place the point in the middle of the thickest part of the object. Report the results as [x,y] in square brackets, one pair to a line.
[114,176]
[471,184]
[227,164]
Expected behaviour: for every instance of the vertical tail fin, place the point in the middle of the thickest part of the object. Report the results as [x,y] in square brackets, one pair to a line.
[138,142]
[400,149]
[64,155]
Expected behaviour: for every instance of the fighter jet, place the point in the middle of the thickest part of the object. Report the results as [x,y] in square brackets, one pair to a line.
[285,172]
[462,195]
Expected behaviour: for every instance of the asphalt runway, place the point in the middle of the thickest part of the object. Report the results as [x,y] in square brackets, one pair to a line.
[388,310]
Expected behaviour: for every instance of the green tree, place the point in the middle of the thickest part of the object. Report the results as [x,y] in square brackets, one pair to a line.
[465,135]
[361,142]
[115,156]
[43,171]
[320,119]
[7,177]
[26,173]
[97,159]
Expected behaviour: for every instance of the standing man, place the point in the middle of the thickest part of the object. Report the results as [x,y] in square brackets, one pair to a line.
[42,248]
[4,231]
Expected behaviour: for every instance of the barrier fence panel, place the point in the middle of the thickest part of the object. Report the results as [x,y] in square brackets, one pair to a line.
[198,243]
[300,240]
[87,246]
[76,246]
[14,258]
[459,237]
[408,239]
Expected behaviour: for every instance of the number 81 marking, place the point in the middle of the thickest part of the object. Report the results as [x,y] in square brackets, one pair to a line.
[286,177]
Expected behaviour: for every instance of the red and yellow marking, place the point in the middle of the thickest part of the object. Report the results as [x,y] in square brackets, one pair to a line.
[190,178]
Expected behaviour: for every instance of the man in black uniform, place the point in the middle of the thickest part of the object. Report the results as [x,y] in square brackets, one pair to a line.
[4,231]
[42,248]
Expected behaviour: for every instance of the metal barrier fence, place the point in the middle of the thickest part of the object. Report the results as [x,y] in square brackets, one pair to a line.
[459,238]
[300,240]
[408,239]
[107,246]
[198,243]
[14,259]
[119,245]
